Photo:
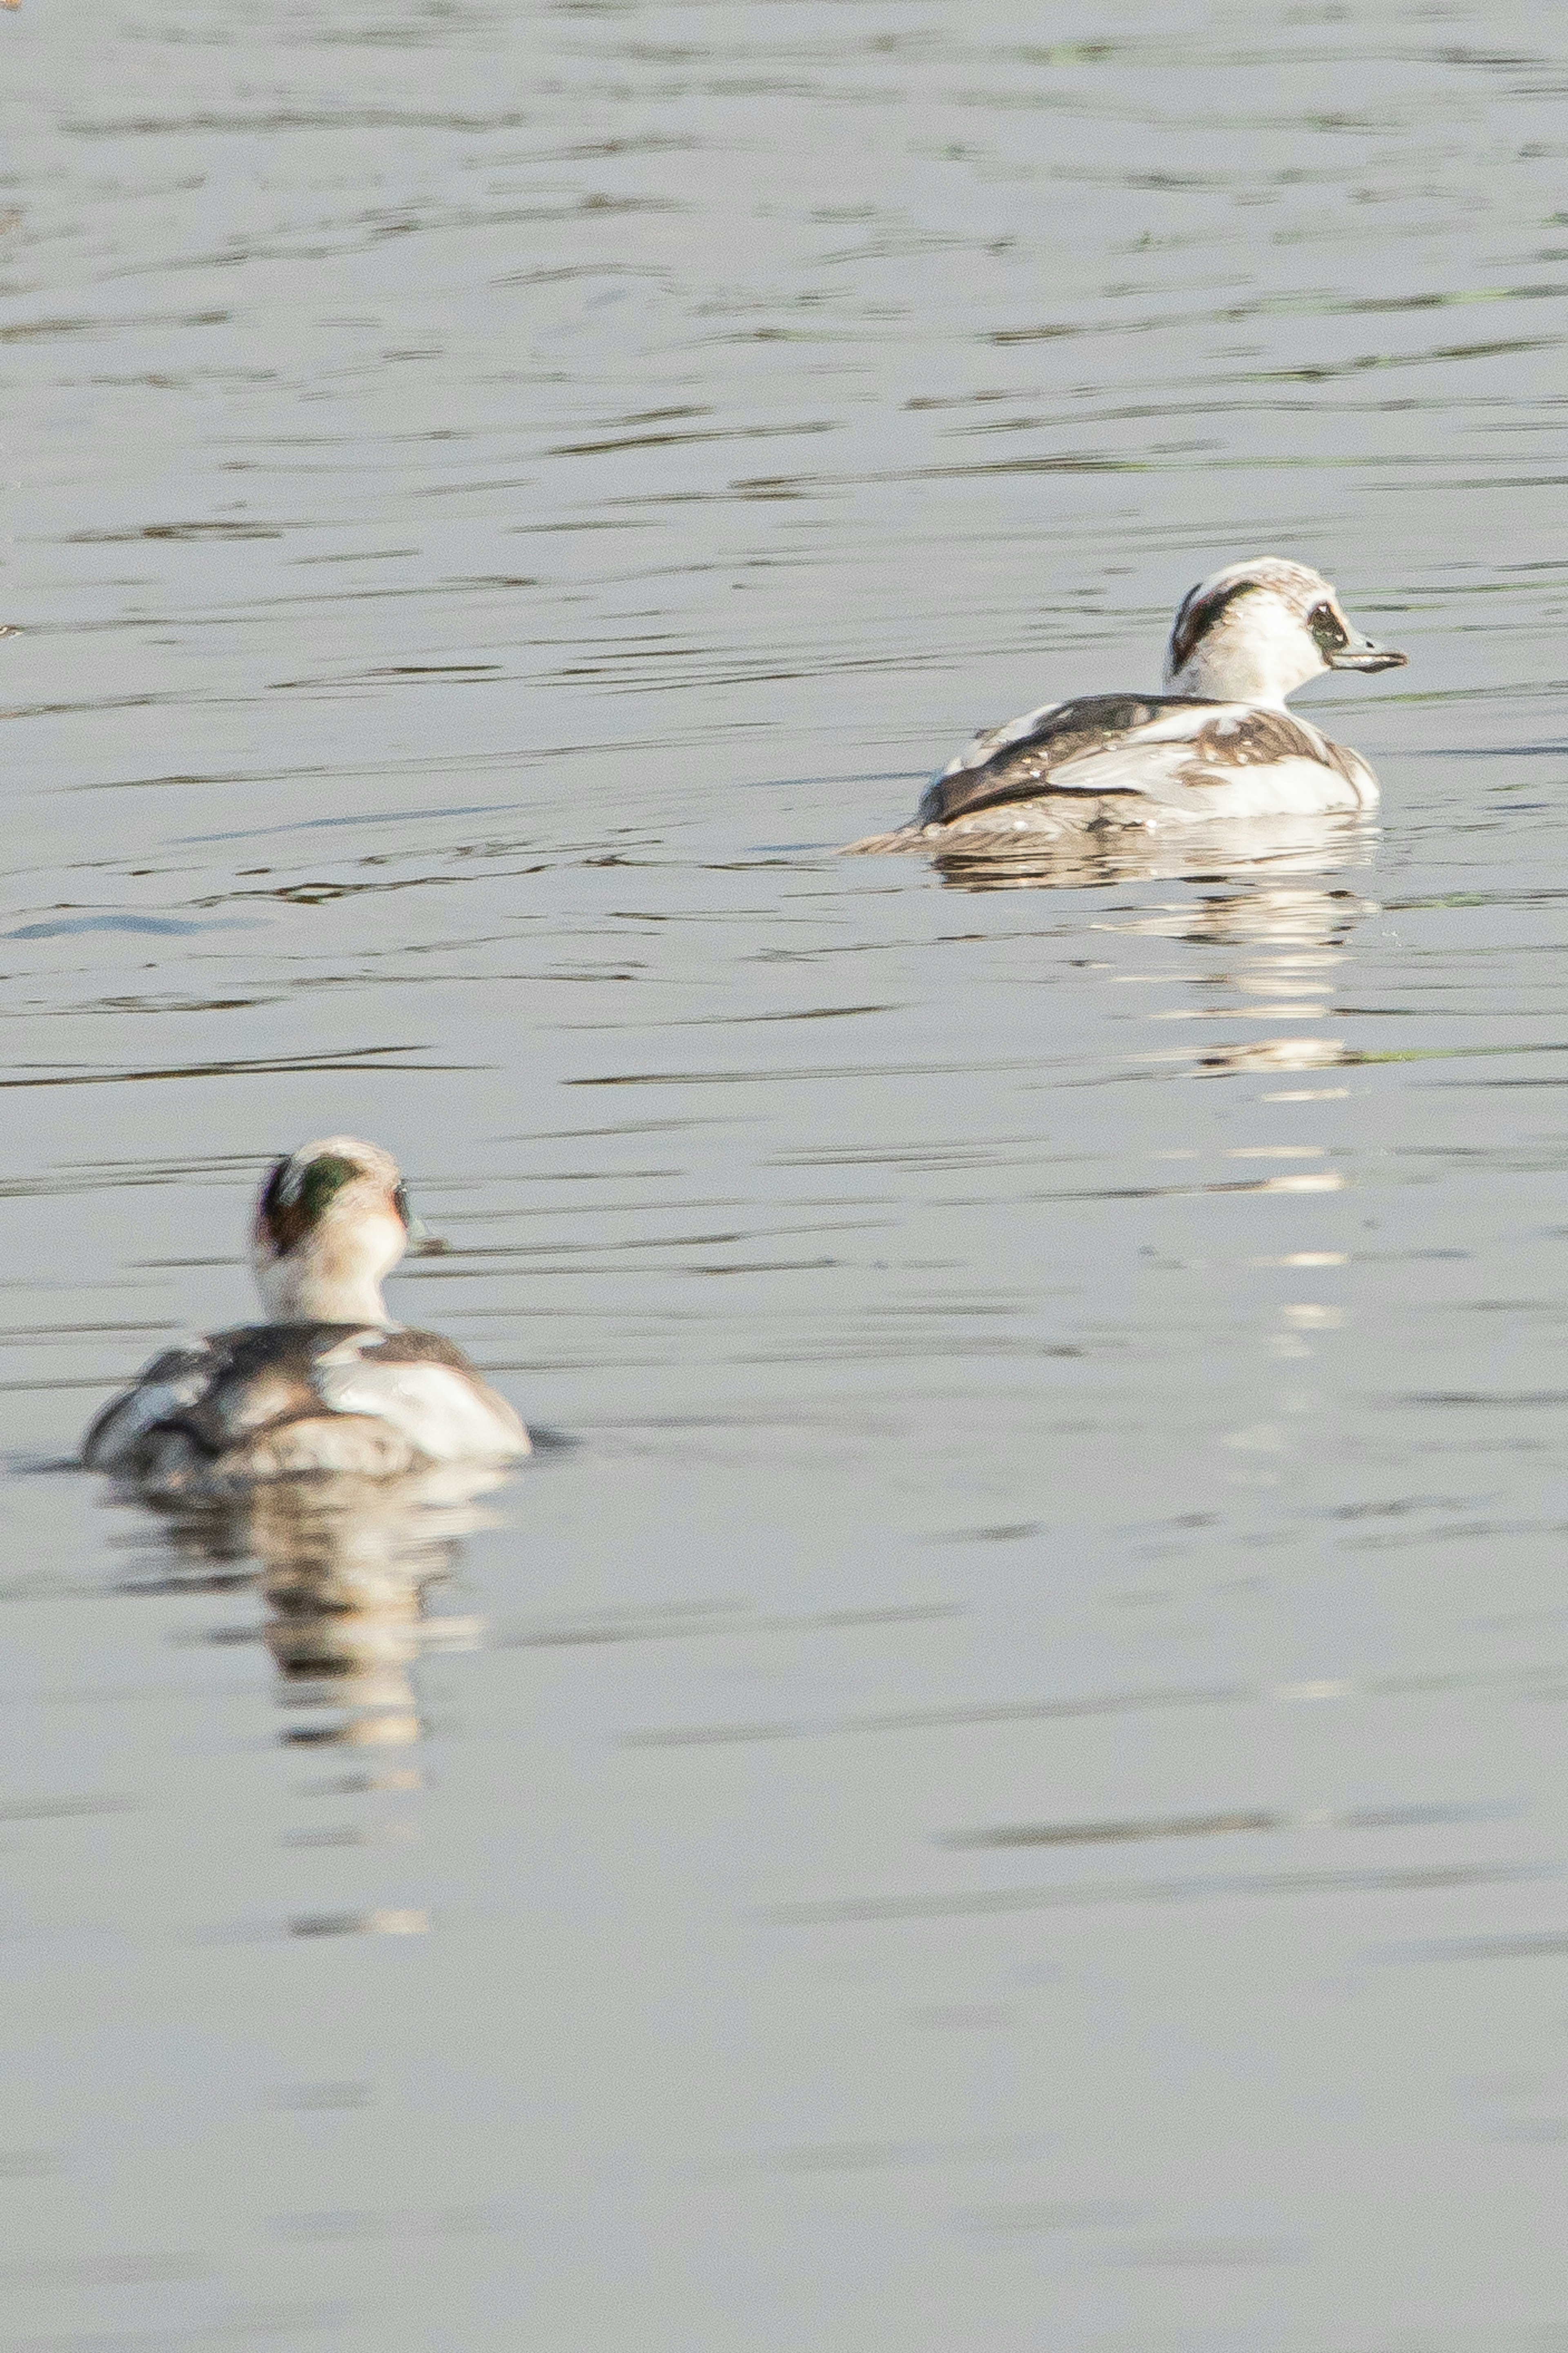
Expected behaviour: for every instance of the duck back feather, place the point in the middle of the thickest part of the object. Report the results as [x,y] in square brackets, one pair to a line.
[263,1402]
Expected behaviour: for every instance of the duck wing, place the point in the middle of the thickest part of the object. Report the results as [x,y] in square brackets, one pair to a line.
[1023,759]
[221,1390]
[163,1389]
[1183,752]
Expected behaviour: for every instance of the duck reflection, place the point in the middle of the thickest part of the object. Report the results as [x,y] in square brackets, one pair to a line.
[1276,928]
[346,1567]
[1309,928]
[1119,854]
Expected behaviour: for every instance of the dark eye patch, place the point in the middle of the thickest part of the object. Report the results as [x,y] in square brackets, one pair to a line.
[1328,632]
[400,1203]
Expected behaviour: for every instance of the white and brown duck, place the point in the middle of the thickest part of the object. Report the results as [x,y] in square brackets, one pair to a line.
[330,1383]
[1218,742]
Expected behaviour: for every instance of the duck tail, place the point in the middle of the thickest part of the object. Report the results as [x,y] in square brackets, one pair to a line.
[908,837]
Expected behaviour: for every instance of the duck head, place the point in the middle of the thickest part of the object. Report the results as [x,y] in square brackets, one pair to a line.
[331,1223]
[1256,631]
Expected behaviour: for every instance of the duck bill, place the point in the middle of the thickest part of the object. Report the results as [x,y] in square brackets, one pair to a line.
[1366,654]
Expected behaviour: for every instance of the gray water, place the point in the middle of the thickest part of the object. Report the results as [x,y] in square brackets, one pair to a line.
[1003,1786]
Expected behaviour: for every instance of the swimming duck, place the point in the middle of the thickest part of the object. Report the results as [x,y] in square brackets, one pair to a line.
[1218,742]
[330,1383]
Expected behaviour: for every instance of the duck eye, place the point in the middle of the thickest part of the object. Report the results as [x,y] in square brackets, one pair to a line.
[400,1203]
[1328,632]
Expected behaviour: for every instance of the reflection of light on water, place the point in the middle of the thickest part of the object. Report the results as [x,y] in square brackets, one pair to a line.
[384,1922]
[1193,853]
[345,1565]
[1316,1180]
[1299,938]
[1294,918]
[344,1569]
[1275,1054]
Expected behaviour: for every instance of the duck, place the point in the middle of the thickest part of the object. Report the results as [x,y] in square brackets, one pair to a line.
[1218,743]
[330,1384]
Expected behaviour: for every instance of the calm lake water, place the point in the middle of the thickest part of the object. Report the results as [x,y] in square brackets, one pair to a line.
[1004,1785]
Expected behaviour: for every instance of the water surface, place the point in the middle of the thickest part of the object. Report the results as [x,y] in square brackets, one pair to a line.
[1006,1787]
